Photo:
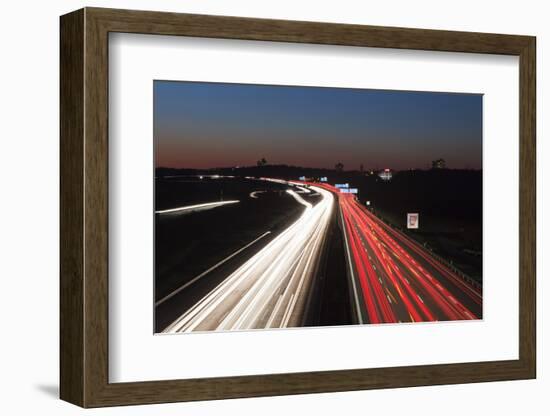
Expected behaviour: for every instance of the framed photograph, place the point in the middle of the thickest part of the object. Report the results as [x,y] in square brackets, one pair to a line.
[257,207]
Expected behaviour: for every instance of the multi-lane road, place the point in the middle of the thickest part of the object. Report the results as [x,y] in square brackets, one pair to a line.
[395,279]
[391,277]
[270,289]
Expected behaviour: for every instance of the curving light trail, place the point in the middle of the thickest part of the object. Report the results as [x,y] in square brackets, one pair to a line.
[398,280]
[255,194]
[269,290]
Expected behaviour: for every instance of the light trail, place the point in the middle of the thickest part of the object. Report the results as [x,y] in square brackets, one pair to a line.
[255,194]
[388,265]
[299,199]
[357,304]
[271,288]
[211,269]
[197,207]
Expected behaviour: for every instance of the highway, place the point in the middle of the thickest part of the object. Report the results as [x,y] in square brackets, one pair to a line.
[391,277]
[395,279]
[270,289]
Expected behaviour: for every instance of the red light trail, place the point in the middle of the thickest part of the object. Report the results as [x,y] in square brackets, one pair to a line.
[395,278]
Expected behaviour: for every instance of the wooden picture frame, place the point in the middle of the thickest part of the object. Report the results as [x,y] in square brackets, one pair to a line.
[84,207]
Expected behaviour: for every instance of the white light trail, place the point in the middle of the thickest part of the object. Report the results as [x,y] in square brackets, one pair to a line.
[299,198]
[214,267]
[255,194]
[270,289]
[198,207]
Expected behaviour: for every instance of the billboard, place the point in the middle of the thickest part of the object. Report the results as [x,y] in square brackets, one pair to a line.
[342,185]
[348,190]
[323,179]
[412,220]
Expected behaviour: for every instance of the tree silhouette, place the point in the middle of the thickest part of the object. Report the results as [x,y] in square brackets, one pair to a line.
[339,166]
[439,164]
[262,162]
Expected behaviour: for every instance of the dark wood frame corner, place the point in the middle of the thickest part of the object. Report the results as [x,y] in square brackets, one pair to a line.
[84,207]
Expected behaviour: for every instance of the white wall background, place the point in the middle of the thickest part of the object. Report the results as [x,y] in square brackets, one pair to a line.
[29,207]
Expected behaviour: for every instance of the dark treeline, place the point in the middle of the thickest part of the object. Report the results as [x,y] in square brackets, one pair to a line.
[275,171]
[447,193]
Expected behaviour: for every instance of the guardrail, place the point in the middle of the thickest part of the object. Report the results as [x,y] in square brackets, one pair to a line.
[449,264]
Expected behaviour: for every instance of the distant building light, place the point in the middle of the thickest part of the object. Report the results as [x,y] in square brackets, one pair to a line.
[368,203]
[385,175]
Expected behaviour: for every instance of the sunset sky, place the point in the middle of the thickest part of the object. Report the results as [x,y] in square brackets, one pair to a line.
[206,125]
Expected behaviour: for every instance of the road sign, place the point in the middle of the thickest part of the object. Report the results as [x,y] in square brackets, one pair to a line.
[412,220]
[342,185]
[323,179]
[302,178]
[348,190]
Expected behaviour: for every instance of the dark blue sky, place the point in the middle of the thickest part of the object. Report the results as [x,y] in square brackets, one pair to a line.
[203,125]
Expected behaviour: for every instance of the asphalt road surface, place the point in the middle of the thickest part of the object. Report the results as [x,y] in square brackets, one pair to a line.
[267,282]
[395,279]
[270,289]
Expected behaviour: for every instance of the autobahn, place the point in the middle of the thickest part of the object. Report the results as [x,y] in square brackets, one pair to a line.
[270,289]
[395,279]
[392,278]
